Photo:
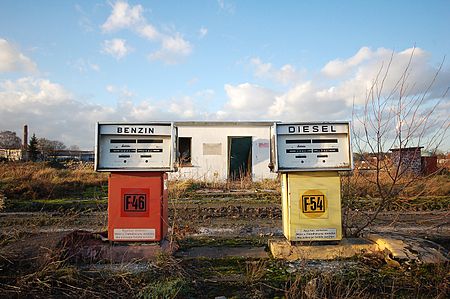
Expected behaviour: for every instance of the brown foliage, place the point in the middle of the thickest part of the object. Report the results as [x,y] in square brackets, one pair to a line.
[41,180]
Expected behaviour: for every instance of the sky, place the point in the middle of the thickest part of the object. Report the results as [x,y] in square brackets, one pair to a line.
[65,65]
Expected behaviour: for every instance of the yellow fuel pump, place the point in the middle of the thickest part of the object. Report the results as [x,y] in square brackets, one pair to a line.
[309,157]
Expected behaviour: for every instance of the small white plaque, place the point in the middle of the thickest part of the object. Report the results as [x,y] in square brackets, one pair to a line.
[316,234]
[134,234]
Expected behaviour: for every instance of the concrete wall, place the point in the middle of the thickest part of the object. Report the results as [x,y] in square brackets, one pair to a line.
[213,163]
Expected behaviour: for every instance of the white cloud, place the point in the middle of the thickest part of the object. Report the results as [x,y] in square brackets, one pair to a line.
[123,93]
[287,74]
[192,81]
[206,94]
[12,60]
[173,46]
[84,66]
[123,16]
[246,101]
[117,48]
[202,32]
[320,99]
[337,67]
[53,112]
[149,32]
[84,21]
[226,6]
[184,108]
[49,110]
[360,74]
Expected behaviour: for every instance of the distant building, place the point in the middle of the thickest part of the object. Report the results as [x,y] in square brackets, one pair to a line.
[10,154]
[224,150]
[77,155]
[429,165]
[409,159]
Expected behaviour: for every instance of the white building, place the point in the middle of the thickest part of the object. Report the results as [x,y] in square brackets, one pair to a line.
[224,150]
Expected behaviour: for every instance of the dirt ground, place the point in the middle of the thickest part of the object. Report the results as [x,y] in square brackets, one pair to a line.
[29,266]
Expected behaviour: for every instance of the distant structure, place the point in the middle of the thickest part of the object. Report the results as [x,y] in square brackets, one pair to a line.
[25,143]
[409,159]
[7,154]
[72,155]
[429,164]
[21,153]
[16,153]
[221,150]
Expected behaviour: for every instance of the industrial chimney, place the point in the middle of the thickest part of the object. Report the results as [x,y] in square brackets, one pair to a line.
[25,143]
[25,138]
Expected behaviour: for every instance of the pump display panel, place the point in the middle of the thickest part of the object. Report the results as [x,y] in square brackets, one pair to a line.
[314,146]
[135,147]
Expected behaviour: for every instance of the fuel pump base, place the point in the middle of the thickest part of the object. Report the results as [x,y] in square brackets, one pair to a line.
[137,206]
[283,249]
[88,247]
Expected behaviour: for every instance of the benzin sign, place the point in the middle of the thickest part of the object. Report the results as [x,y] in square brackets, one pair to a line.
[135,130]
[135,147]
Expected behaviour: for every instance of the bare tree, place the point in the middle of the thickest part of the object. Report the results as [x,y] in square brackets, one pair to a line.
[399,118]
[74,148]
[9,140]
[49,147]
[9,144]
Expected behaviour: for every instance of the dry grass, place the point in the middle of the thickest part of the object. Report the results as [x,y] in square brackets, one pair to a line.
[179,188]
[43,181]
[418,281]
[363,184]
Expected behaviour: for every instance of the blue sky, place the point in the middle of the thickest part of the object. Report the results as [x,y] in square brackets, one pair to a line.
[66,64]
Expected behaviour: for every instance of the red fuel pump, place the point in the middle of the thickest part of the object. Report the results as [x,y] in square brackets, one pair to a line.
[138,157]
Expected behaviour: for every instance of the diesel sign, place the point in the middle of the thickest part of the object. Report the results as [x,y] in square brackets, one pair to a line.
[312,129]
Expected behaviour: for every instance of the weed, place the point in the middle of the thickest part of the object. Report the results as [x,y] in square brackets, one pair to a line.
[255,271]
[166,288]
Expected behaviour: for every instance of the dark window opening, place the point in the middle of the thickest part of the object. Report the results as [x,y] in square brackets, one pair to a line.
[184,150]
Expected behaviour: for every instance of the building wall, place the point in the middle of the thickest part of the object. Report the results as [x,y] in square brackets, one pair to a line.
[213,164]
[429,165]
[410,159]
[11,154]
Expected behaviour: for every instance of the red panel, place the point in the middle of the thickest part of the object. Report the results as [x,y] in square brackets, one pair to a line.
[164,205]
[135,205]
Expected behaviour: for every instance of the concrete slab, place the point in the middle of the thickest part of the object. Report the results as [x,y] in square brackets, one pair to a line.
[394,247]
[88,247]
[410,248]
[283,249]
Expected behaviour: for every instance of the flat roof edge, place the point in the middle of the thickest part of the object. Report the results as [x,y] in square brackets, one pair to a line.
[224,123]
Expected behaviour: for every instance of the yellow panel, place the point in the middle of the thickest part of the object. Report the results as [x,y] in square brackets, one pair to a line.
[314,207]
[285,204]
